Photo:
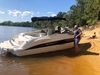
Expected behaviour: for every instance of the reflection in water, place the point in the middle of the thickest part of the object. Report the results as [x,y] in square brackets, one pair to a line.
[9,66]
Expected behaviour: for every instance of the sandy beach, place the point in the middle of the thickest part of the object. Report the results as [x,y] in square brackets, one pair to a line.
[90,49]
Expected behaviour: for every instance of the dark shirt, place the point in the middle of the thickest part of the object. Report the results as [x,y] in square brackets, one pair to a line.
[76,32]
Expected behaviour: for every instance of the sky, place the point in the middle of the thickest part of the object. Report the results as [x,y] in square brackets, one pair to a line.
[24,10]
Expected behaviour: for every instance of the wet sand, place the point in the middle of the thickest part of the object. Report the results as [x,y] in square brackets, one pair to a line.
[86,62]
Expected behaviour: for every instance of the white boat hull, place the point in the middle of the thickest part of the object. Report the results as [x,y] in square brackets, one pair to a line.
[23,44]
[43,49]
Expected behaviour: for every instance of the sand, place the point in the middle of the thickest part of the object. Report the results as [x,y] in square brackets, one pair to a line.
[91,50]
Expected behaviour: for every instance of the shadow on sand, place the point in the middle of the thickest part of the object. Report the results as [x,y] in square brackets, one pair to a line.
[68,52]
[84,49]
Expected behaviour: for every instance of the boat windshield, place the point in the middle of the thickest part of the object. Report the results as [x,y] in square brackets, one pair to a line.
[16,41]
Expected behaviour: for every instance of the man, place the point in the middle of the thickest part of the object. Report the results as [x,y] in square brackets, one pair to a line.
[77,37]
[51,29]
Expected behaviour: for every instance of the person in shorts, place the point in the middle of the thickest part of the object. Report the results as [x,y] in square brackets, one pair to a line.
[77,37]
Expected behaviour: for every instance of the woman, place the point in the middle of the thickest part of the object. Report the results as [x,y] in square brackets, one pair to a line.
[77,37]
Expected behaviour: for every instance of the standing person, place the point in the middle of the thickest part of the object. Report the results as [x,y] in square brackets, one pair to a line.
[51,29]
[77,37]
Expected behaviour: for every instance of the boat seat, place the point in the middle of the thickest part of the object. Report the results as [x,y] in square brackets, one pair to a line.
[41,34]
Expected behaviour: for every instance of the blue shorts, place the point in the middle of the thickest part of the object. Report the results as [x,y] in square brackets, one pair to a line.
[76,41]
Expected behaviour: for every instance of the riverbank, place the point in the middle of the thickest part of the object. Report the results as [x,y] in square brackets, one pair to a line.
[90,49]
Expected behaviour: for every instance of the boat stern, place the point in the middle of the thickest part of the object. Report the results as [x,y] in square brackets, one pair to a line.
[5,47]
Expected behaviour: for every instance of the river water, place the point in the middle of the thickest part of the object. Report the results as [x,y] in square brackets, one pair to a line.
[53,63]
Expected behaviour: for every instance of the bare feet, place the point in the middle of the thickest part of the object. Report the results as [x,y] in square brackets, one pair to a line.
[76,51]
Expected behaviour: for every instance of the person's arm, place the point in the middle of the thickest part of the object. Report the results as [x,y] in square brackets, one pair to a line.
[80,33]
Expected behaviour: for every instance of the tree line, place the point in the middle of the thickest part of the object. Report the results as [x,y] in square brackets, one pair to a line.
[85,12]
[21,24]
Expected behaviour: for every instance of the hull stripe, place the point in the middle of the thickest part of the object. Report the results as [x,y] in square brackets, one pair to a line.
[52,43]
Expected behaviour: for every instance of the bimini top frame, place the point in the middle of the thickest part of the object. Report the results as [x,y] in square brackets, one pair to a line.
[46,18]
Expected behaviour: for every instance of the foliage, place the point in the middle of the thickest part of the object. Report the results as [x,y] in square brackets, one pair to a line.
[21,24]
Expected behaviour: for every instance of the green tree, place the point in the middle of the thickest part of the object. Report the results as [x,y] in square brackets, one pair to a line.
[92,9]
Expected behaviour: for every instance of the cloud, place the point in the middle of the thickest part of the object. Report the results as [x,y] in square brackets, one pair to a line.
[38,12]
[1,12]
[26,13]
[51,14]
[17,13]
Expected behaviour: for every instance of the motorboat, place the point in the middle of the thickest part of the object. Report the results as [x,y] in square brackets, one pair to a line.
[36,42]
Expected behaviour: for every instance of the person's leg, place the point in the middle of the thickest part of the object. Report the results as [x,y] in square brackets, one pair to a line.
[76,48]
[76,41]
